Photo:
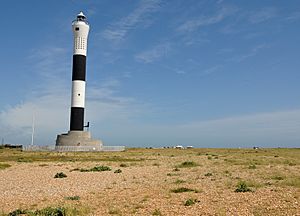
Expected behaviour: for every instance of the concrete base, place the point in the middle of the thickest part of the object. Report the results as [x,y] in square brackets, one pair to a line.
[77,138]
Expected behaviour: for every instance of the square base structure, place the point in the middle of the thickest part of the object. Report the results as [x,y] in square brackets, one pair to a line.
[77,141]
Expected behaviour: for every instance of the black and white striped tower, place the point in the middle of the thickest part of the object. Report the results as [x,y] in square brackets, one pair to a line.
[77,139]
[80,28]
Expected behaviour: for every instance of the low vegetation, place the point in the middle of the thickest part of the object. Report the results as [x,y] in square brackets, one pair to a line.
[242,186]
[51,211]
[183,190]
[60,175]
[150,180]
[187,164]
[4,166]
[118,171]
[94,169]
[157,212]
[72,198]
[190,202]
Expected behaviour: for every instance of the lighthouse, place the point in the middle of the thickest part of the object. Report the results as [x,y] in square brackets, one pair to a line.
[77,139]
[80,29]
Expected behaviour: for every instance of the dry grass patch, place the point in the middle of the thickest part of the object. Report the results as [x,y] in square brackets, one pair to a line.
[187,164]
[4,166]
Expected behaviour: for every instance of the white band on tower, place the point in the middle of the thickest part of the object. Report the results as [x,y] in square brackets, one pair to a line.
[78,93]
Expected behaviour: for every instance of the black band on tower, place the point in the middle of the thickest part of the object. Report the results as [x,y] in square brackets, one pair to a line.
[79,62]
[77,119]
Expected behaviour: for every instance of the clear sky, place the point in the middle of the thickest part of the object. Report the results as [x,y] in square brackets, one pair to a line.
[192,72]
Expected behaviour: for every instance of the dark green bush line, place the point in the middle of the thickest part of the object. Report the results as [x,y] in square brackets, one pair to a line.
[50,211]
[190,202]
[242,187]
[183,190]
[60,175]
[187,164]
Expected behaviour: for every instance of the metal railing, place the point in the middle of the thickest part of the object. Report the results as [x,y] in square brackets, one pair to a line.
[73,148]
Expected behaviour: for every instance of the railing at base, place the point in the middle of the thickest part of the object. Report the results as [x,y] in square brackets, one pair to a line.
[73,148]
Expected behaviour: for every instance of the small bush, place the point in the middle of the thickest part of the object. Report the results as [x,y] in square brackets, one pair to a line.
[123,165]
[190,202]
[49,211]
[183,190]
[100,169]
[17,212]
[242,187]
[157,212]
[209,157]
[188,164]
[179,181]
[252,166]
[176,169]
[4,166]
[96,169]
[73,198]
[208,174]
[60,175]
[118,171]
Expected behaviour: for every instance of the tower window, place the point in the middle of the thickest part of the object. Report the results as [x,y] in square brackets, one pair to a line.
[77,29]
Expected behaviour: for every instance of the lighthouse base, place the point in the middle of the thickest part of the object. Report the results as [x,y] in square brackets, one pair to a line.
[77,141]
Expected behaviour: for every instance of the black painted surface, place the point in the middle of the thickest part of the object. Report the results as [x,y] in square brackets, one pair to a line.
[77,119]
[79,65]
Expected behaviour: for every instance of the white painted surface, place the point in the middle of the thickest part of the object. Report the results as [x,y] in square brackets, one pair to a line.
[78,93]
[81,32]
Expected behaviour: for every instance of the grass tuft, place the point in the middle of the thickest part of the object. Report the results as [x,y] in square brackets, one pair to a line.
[187,164]
[118,171]
[60,175]
[4,166]
[183,190]
[242,187]
[252,166]
[190,202]
[96,169]
[72,198]
[157,212]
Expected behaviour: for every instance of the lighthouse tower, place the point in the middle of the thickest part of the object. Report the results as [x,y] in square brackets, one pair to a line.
[80,30]
[77,139]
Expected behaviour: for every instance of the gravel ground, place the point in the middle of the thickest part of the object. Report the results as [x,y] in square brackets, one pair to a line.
[144,188]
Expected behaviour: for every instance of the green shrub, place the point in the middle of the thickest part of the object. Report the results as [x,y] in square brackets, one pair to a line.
[242,187]
[60,175]
[190,202]
[49,211]
[4,166]
[100,168]
[188,164]
[17,212]
[157,212]
[179,181]
[96,169]
[73,198]
[118,171]
[252,166]
[208,174]
[183,189]
[123,165]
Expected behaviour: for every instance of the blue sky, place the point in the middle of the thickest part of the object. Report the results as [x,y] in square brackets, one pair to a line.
[197,72]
